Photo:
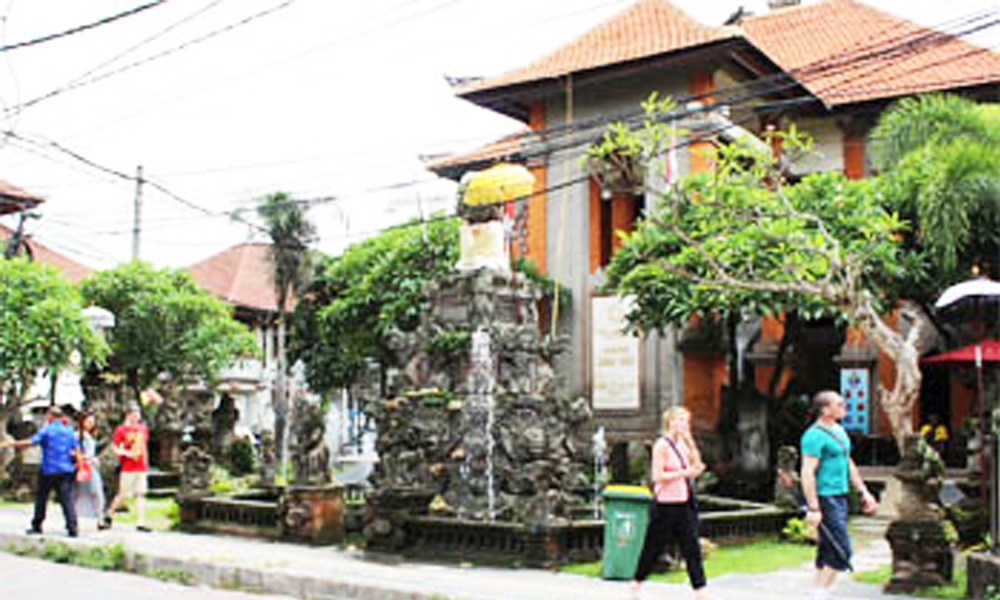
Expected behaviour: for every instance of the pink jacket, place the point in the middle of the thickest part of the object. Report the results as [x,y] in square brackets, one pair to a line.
[674,491]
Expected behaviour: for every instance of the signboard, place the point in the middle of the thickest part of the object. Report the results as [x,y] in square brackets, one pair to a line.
[854,387]
[615,356]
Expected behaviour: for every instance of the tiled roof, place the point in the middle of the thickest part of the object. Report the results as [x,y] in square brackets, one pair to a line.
[69,268]
[842,51]
[241,276]
[14,199]
[845,52]
[502,149]
[647,28]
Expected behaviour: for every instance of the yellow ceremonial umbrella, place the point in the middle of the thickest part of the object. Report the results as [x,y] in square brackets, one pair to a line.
[498,184]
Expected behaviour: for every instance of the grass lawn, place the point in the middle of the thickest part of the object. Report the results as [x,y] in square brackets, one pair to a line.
[881,576]
[755,557]
[161,513]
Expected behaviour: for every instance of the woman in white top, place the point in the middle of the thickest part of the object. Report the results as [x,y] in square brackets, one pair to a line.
[90,494]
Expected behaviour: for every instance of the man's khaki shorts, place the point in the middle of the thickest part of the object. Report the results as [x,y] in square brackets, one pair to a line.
[132,484]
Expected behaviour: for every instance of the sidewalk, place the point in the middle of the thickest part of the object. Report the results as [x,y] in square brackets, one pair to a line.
[336,574]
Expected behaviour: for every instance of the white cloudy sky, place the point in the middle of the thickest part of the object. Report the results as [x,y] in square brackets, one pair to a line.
[321,98]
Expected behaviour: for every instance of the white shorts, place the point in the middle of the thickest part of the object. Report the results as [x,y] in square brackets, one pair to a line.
[132,484]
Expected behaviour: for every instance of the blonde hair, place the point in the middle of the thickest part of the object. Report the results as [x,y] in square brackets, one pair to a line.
[669,415]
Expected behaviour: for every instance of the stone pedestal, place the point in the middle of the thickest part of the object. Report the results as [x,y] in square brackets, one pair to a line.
[312,514]
[921,555]
[984,572]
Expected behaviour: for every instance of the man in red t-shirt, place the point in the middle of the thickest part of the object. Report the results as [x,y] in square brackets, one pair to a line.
[129,445]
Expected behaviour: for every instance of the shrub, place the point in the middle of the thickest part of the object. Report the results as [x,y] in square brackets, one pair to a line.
[241,457]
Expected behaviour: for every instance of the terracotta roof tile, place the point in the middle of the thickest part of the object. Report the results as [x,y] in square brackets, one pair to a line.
[241,276]
[69,268]
[647,28]
[502,149]
[875,55]
[14,199]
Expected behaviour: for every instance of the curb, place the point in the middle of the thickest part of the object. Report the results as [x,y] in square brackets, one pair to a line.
[204,573]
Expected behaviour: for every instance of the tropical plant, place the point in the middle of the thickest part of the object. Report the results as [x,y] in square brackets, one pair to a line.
[940,159]
[165,324]
[291,232]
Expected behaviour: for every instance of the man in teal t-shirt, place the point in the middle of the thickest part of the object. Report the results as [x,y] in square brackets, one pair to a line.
[827,470]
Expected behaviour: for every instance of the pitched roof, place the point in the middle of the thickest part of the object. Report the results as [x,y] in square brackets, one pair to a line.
[69,268]
[842,51]
[453,165]
[845,52]
[14,199]
[241,276]
[647,28]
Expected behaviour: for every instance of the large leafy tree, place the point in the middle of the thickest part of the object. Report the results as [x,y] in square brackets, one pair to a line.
[940,159]
[737,241]
[165,324]
[287,224]
[41,326]
[358,299]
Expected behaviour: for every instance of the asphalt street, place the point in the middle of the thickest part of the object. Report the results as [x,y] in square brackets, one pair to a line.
[34,579]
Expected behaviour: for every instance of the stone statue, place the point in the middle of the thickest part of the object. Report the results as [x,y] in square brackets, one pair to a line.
[920,539]
[921,472]
[196,473]
[310,455]
[787,483]
[268,459]
[224,419]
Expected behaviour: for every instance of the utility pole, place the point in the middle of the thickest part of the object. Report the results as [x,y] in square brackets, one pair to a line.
[137,213]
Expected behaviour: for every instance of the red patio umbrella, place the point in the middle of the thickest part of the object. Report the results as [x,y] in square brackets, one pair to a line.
[967,354]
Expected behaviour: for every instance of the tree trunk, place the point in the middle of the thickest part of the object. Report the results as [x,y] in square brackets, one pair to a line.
[904,351]
[280,403]
[6,456]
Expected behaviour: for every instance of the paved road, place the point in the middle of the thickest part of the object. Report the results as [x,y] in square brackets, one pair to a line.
[33,579]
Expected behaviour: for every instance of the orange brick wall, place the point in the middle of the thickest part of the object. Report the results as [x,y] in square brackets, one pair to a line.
[854,156]
[537,205]
[622,218]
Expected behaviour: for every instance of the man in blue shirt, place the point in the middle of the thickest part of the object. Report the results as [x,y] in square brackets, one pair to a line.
[59,448]
[827,470]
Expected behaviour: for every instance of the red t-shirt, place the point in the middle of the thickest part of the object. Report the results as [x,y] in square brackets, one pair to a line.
[132,438]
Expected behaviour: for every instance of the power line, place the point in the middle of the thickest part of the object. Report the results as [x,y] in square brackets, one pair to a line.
[168,52]
[82,28]
[545,150]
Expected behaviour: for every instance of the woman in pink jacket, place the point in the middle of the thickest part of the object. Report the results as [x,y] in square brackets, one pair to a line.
[673,516]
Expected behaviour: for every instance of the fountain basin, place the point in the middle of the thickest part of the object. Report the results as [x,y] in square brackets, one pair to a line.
[554,544]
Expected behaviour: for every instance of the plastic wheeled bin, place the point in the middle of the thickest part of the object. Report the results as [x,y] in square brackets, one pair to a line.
[626,515]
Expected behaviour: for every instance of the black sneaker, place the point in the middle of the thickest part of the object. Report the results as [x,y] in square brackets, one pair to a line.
[104,523]
[143,529]
[72,533]
[34,531]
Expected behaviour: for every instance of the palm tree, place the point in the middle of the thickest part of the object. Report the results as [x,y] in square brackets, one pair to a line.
[291,232]
[941,159]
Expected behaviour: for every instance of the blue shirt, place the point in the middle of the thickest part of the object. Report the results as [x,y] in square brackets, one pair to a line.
[58,442]
[832,474]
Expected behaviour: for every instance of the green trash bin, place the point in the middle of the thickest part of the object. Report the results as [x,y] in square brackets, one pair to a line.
[626,514]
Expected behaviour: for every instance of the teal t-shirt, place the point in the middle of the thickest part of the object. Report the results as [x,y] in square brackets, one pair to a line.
[832,475]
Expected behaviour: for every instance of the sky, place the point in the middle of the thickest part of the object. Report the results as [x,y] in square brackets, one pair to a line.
[222,102]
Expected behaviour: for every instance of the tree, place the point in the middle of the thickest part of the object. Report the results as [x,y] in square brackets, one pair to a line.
[358,299]
[940,156]
[738,241]
[291,233]
[41,326]
[165,324]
